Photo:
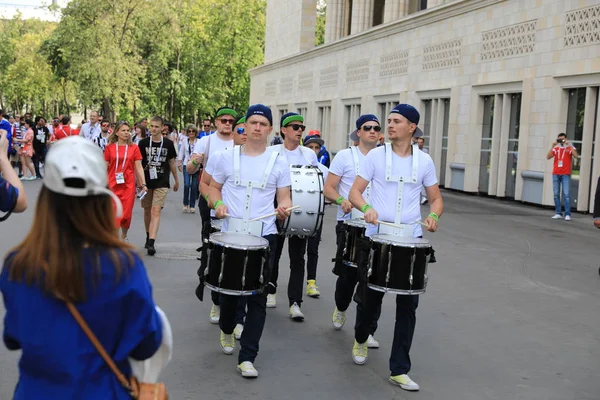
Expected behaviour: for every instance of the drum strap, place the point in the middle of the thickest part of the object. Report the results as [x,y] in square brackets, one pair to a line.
[280,150]
[356,214]
[250,185]
[400,180]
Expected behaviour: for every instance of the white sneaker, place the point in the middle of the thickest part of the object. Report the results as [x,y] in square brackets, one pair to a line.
[237,332]
[404,382]
[360,353]
[556,216]
[215,314]
[227,343]
[247,369]
[567,217]
[339,318]
[295,313]
[372,343]
[271,301]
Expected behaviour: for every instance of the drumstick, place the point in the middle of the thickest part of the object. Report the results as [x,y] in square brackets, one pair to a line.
[386,223]
[420,223]
[273,214]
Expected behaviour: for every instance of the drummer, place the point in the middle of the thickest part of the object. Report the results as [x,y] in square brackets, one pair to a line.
[228,198]
[342,173]
[401,127]
[292,127]
[204,149]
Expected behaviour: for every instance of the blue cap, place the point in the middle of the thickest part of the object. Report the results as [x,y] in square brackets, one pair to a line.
[313,139]
[260,109]
[408,112]
[290,117]
[365,118]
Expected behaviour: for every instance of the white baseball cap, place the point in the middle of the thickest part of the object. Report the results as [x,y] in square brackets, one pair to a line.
[78,158]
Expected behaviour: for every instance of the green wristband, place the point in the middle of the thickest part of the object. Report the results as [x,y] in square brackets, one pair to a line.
[365,208]
[340,200]
[434,216]
[218,203]
[206,198]
[196,163]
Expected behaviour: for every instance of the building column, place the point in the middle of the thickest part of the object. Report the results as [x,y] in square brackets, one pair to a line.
[402,8]
[333,20]
[496,144]
[585,169]
[368,14]
[362,15]
[503,150]
[434,3]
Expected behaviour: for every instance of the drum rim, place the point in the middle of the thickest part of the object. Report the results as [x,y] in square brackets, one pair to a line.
[358,223]
[400,241]
[214,238]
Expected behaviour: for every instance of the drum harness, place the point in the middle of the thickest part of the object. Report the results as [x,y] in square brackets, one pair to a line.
[400,180]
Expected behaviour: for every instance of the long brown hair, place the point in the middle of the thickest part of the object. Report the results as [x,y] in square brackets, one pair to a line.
[51,255]
[113,138]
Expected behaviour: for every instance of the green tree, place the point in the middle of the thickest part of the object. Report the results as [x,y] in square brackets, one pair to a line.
[320,25]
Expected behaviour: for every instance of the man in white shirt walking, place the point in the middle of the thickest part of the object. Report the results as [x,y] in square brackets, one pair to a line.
[91,130]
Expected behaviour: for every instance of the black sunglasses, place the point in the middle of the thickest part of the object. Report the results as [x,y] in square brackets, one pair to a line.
[297,126]
[367,128]
[227,121]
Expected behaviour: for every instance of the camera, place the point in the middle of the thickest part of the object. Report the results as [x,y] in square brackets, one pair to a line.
[561,141]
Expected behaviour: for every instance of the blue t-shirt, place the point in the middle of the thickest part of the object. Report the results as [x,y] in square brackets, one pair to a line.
[8,195]
[58,361]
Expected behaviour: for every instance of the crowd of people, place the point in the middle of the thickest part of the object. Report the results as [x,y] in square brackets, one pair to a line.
[92,178]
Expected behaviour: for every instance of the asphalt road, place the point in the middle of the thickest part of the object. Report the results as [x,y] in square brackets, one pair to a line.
[511,312]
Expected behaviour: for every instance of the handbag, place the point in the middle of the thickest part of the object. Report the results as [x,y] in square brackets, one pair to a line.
[137,390]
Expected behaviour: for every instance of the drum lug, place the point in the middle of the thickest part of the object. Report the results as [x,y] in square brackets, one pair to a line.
[311,212]
[305,230]
[312,191]
[297,211]
[412,267]
[223,257]
[298,190]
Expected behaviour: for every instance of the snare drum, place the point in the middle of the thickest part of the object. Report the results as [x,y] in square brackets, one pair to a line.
[307,192]
[236,263]
[398,264]
[215,226]
[354,229]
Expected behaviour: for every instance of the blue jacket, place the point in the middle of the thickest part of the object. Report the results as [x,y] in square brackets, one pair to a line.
[58,361]
[4,124]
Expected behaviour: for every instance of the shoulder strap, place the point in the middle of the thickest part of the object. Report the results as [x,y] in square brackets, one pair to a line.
[96,343]
[305,153]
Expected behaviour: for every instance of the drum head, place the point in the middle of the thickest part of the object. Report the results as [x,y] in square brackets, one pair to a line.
[400,241]
[356,222]
[241,241]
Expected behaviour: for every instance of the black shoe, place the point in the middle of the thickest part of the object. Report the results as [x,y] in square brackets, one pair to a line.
[151,249]
[432,257]
[146,244]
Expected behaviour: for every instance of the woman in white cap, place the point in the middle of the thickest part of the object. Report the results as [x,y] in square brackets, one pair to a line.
[73,255]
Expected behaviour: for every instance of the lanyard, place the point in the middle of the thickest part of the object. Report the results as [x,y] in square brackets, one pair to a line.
[190,147]
[124,158]
[561,155]
[157,160]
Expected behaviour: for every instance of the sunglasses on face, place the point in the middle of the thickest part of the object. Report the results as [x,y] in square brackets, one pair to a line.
[206,126]
[367,128]
[297,126]
[227,121]
[240,131]
[105,125]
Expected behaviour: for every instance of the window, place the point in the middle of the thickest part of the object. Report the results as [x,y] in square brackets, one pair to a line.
[324,119]
[352,112]
[302,110]
[348,17]
[445,142]
[427,125]
[513,144]
[486,143]
[282,111]
[384,109]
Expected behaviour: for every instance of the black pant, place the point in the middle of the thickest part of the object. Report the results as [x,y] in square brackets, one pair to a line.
[206,228]
[312,256]
[255,317]
[346,284]
[38,156]
[296,251]
[369,305]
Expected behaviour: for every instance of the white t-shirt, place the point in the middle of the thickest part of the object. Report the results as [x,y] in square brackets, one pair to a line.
[251,169]
[90,131]
[384,193]
[216,144]
[300,156]
[210,168]
[185,150]
[343,166]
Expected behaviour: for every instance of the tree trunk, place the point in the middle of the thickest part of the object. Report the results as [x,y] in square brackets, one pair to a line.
[106,110]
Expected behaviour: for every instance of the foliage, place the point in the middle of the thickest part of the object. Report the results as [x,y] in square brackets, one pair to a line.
[321,18]
[131,58]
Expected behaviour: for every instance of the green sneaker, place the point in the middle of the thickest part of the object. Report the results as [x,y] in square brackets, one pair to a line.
[404,382]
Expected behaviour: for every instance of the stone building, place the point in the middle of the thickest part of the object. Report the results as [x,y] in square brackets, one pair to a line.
[495,82]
